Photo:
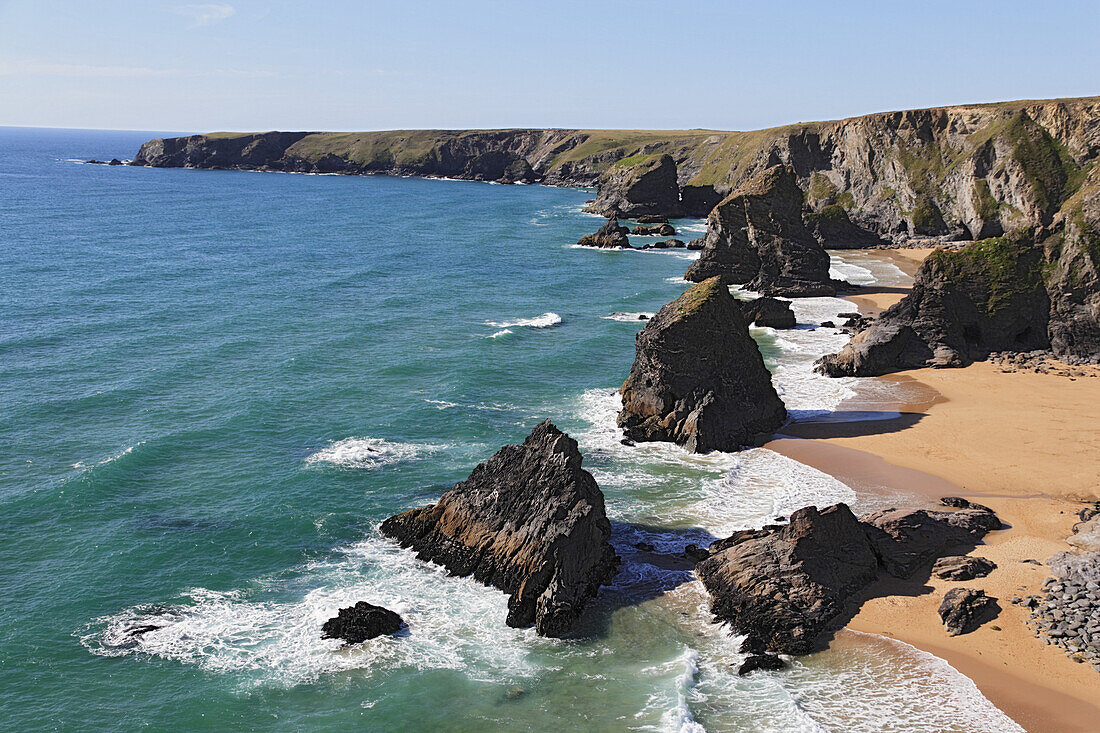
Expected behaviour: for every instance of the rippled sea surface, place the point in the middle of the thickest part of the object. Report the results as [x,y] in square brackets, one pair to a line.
[215,385]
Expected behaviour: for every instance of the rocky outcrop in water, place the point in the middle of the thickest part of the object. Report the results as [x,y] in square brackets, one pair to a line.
[529,521]
[965,609]
[756,236]
[646,187]
[698,378]
[965,304]
[355,624]
[785,586]
[769,312]
[609,236]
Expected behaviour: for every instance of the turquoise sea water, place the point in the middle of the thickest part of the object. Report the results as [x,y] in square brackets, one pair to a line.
[214,386]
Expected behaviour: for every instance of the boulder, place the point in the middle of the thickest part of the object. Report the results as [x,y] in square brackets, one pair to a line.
[965,609]
[962,567]
[646,187]
[663,230]
[652,219]
[908,539]
[609,236]
[957,502]
[769,312]
[114,161]
[783,586]
[757,236]
[965,304]
[698,378]
[529,521]
[355,624]
[696,244]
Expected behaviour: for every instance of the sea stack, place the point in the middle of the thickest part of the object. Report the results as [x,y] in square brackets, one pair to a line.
[647,186]
[529,521]
[609,236]
[698,378]
[756,235]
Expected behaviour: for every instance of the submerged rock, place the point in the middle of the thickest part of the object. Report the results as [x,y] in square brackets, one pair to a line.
[784,586]
[355,624]
[964,305]
[529,521]
[962,567]
[769,312]
[757,236]
[609,236]
[965,609]
[760,661]
[698,378]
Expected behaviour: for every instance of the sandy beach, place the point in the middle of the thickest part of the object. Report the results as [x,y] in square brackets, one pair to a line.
[1024,444]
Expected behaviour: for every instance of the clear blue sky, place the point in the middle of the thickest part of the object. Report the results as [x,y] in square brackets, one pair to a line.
[250,65]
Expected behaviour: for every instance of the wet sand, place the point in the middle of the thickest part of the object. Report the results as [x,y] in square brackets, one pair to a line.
[1024,444]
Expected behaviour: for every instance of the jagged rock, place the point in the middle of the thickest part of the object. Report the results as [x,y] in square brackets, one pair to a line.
[665,244]
[760,661]
[695,244]
[1086,535]
[699,200]
[647,187]
[769,312]
[784,585]
[756,235]
[698,378]
[529,521]
[962,567]
[663,230]
[964,304]
[355,624]
[609,236]
[907,539]
[652,219]
[965,609]
[114,161]
[695,553]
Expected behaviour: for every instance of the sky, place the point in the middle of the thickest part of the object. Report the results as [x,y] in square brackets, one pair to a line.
[364,65]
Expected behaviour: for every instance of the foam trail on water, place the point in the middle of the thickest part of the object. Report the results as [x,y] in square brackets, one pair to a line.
[364,453]
[628,317]
[546,320]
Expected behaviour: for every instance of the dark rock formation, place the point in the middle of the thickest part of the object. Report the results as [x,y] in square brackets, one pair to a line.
[965,609]
[609,236]
[964,304]
[529,521]
[355,624]
[647,187]
[757,236]
[962,567]
[699,200]
[652,219]
[760,661]
[906,540]
[665,244]
[696,244]
[784,586]
[769,312]
[698,378]
[957,502]
[114,161]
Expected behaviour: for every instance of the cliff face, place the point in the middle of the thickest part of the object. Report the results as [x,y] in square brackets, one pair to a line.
[955,172]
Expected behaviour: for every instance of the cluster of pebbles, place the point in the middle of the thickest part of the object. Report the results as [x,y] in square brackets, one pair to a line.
[1067,612]
[1043,362]
[1067,615]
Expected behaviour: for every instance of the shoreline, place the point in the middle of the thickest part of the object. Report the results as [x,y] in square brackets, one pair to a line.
[1021,443]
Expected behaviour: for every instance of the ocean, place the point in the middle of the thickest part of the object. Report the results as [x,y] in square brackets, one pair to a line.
[214,385]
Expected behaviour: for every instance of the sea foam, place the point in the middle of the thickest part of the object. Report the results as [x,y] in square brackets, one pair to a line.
[364,453]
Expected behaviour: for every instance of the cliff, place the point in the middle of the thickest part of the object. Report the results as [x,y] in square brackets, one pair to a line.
[969,172]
